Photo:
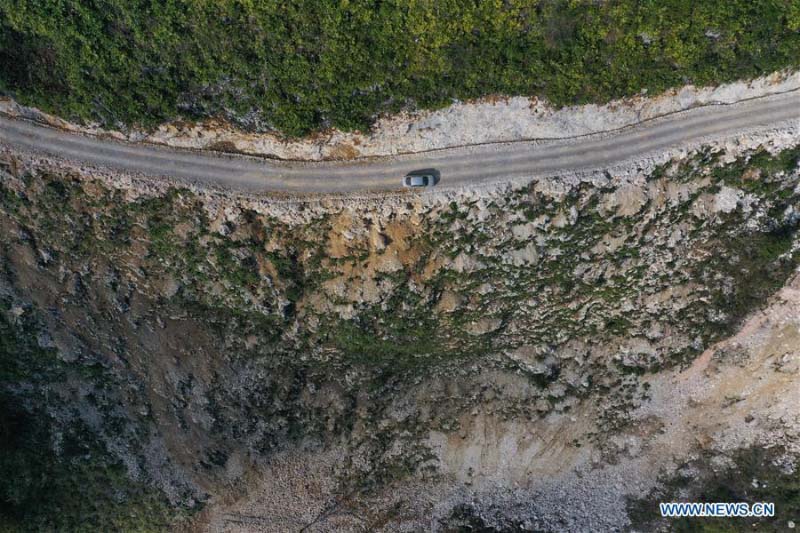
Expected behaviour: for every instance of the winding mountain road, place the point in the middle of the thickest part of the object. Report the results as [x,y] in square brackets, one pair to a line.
[473,165]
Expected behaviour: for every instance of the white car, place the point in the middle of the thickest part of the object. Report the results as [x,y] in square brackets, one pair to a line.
[427,177]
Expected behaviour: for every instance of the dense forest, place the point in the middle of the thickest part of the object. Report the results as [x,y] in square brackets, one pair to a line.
[303,65]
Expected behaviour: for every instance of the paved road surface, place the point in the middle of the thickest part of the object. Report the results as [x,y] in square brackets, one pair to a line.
[459,166]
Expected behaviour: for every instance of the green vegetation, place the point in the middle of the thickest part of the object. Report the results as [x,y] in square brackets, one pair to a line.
[757,264]
[55,473]
[757,475]
[407,337]
[309,64]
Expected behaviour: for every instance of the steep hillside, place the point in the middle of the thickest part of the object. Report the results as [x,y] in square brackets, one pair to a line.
[532,358]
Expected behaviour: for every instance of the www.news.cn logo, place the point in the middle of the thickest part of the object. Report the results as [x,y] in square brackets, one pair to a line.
[716,509]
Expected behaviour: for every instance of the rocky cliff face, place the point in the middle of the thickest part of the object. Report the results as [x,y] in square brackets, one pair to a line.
[533,357]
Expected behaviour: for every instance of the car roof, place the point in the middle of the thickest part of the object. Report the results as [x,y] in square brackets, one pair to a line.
[421,173]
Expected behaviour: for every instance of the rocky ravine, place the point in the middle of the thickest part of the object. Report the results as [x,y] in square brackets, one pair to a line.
[553,356]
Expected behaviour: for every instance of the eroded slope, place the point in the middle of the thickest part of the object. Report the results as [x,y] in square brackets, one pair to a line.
[407,362]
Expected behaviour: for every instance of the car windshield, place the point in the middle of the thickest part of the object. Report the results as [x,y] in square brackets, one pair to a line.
[418,180]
